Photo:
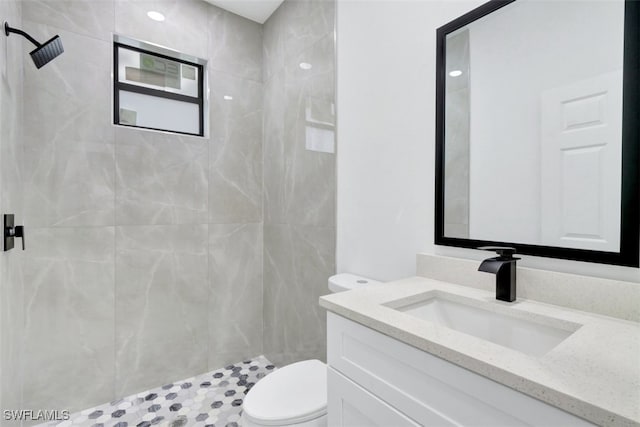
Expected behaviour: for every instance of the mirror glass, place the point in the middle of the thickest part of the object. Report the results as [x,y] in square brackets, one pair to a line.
[532,125]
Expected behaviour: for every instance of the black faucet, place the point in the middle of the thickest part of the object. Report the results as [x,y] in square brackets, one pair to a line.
[504,267]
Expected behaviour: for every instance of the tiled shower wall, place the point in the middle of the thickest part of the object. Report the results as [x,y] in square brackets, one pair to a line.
[11,284]
[144,260]
[145,250]
[299,182]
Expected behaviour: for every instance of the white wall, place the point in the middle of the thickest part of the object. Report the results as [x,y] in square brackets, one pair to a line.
[386,134]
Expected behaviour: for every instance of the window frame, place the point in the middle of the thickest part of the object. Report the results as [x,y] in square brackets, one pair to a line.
[118,85]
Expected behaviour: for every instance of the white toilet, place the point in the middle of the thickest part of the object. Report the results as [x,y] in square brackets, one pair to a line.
[296,394]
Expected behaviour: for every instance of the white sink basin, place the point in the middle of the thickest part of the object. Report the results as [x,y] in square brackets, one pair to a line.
[477,318]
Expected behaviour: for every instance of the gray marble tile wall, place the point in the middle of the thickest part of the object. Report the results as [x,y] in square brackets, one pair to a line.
[235,301]
[11,171]
[299,177]
[144,261]
[68,352]
[161,304]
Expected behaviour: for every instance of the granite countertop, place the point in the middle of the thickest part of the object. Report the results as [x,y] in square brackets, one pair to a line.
[594,373]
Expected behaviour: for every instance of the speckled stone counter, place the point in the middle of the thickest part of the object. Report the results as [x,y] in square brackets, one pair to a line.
[594,373]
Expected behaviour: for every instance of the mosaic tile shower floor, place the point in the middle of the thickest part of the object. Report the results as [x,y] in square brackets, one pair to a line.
[211,399]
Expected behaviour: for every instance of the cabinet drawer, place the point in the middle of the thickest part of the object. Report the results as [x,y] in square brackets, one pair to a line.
[427,388]
[351,406]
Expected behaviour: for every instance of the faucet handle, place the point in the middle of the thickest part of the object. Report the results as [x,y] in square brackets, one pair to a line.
[503,251]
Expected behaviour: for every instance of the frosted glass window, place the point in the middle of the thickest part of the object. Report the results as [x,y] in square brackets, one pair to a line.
[152,112]
[154,90]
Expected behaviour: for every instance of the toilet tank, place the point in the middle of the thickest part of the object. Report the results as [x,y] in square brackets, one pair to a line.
[347,281]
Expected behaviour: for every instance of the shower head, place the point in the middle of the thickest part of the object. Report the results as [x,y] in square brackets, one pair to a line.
[44,52]
[47,51]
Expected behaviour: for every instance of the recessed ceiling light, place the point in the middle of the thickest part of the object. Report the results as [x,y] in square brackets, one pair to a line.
[305,66]
[455,73]
[227,97]
[156,16]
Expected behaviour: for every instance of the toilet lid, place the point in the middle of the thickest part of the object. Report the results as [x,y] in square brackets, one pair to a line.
[293,394]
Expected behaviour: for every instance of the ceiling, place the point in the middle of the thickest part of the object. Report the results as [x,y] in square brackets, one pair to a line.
[256,10]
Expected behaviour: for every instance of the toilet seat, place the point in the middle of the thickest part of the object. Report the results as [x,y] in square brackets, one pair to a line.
[294,394]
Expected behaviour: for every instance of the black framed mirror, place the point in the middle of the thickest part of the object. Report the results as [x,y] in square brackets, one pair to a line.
[538,129]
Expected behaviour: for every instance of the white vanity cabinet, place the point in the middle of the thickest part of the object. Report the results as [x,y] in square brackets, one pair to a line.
[375,380]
